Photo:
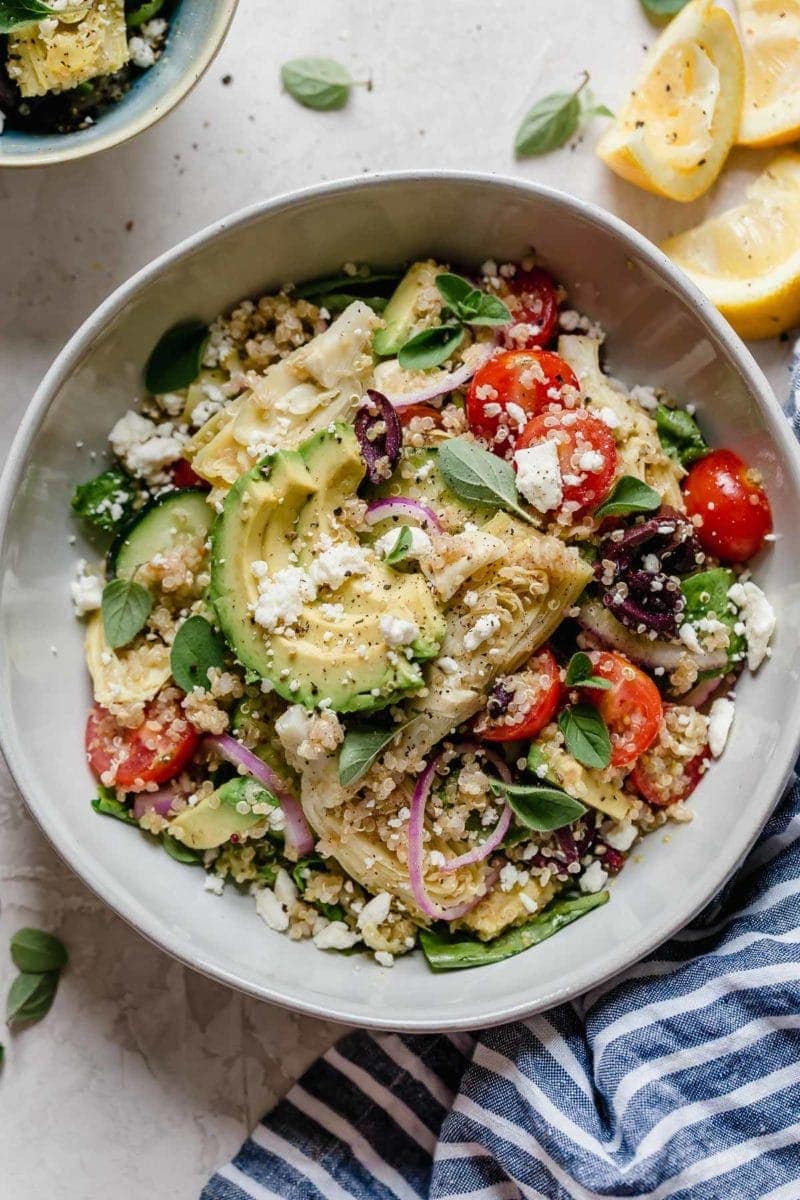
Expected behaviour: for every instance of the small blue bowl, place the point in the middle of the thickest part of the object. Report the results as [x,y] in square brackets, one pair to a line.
[197,30]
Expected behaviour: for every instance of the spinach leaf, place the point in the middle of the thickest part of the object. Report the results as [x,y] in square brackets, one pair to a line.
[540,806]
[364,281]
[177,358]
[707,595]
[455,952]
[125,606]
[105,501]
[580,673]
[680,435]
[479,477]
[36,951]
[430,347]
[30,996]
[585,735]
[197,649]
[360,749]
[181,853]
[630,495]
[318,83]
[336,302]
[107,804]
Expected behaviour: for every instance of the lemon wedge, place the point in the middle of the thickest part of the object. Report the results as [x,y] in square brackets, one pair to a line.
[770,31]
[747,260]
[676,128]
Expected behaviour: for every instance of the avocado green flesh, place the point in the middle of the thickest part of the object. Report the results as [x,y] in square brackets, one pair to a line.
[339,655]
[215,819]
[402,313]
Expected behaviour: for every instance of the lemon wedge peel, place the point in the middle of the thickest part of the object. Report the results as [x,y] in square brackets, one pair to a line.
[770,33]
[673,134]
[747,259]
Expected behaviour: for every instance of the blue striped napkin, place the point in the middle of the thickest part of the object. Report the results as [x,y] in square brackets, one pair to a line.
[680,1078]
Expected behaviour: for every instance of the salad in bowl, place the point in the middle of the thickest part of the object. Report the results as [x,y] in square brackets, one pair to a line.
[412,620]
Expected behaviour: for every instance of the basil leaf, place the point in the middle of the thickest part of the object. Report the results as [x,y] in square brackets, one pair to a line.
[430,347]
[30,996]
[16,13]
[364,280]
[196,649]
[360,749]
[400,549]
[585,735]
[707,593]
[469,304]
[630,495]
[664,8]
[680,435]
[177,358]
[446,951]
[548,125]
[126,605]
[144,12]
[37,951]
[478,476]
[318,83]
[107,804]
[540,806]
[177,850]
[105,501]
[580,673]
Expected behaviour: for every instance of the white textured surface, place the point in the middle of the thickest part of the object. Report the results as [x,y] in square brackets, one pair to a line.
[145,1075]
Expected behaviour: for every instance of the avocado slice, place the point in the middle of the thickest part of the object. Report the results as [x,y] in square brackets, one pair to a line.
[402,314]
[215,819]
[280,513]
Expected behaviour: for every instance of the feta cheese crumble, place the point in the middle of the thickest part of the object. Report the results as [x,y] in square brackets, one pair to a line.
[397,631]
[145,448]
[335,936]
[86,589]
[338,562]
[720,719]
[759,620]
[539,476]
[593,879]
[420,542]
[281,597]
[483,629]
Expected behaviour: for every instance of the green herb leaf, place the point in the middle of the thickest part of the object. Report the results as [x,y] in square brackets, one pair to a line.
[181,853]
[105,501]
[30,996]
[430,347]
[580,673]
[454,952]
[469,304]
[360,749]
[630,495]
[585,735]
[177,358]
[107,804]
[301,869]
[598,110]
[14,14]
[548,125]
[535,760]
[680,435]
[33,950]
[706,594]
[663,8]
[318,83]
[400,549]
[337,302]
[197,648]
[126,605]
[479,477]
[540,806]
[143,13]
[363,281]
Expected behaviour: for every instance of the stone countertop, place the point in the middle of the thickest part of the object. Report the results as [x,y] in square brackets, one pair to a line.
[145,1075]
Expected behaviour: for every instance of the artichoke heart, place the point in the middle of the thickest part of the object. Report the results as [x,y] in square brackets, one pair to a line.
[62,51]
[128,676]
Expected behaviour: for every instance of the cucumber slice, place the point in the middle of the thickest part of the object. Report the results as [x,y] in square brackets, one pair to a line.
[177,515]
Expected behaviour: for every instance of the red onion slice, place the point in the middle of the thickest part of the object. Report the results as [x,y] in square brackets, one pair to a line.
[299,837]
[445,383]
[158,802]
[607,630]
[416,823]
[482,851]
[402,507]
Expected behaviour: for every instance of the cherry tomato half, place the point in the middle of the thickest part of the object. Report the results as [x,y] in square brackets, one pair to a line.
[184,475]
[651,785]
[631,707]
[735,511]
[533,303]
[407,413]
[587,455]
[514,386]
[131,758]
[539,685]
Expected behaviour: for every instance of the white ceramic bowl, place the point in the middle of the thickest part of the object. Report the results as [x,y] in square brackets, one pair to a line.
[660,330]
[197,30]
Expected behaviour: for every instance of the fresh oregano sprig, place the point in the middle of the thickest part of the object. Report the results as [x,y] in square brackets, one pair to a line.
[553,120]
[319,83]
